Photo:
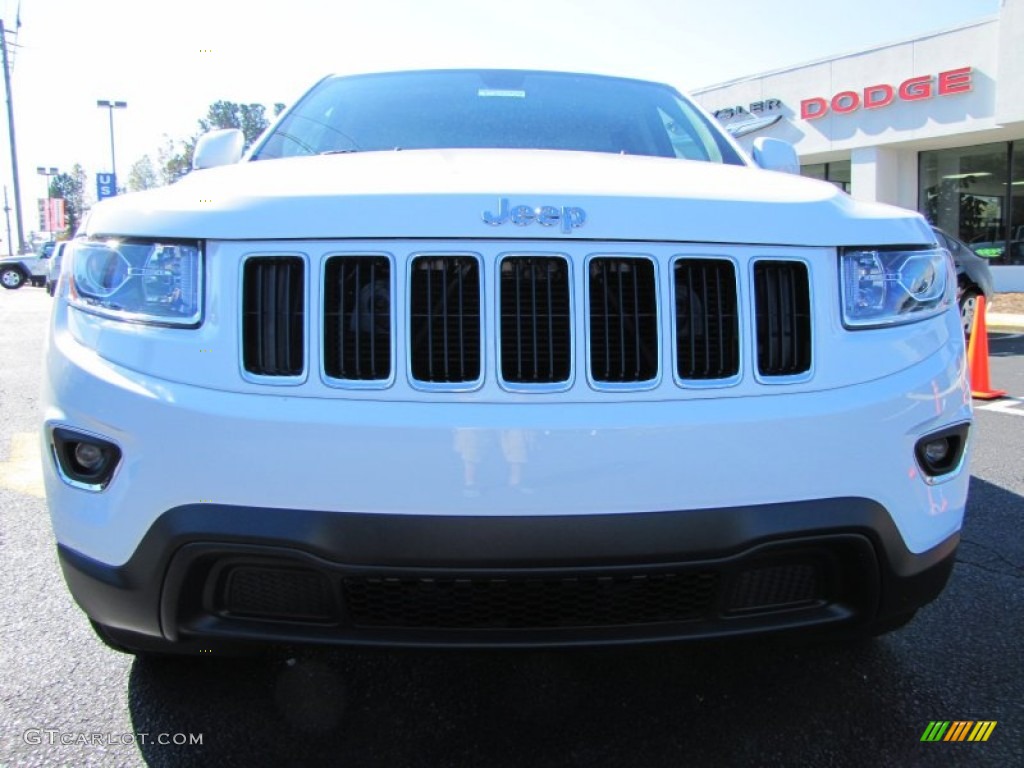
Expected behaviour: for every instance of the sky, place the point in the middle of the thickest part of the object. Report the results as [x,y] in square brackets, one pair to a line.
[170,60]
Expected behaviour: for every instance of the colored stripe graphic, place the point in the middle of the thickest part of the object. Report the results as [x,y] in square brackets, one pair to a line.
[935,730]
[982,730]
[958,730]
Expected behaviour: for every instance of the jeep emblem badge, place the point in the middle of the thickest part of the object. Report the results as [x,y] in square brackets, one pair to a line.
[567,218]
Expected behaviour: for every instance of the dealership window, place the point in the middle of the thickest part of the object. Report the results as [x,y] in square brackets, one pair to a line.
[838,173]
[977,193]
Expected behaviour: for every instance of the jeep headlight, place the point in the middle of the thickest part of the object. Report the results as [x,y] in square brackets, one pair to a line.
[143,281]
[890,287]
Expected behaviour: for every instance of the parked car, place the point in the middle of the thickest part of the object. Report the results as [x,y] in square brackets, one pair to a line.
[569,367]
[56,261]
[29,268]
[973,274]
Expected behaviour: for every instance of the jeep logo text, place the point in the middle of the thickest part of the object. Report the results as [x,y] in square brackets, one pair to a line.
[568,218]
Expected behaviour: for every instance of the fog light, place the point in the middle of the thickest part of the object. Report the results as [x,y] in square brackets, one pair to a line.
[936,451]
[89,456]
[941,453]
[84,461]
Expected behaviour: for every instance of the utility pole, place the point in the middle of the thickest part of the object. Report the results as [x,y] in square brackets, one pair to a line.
[10,133]
[7,213]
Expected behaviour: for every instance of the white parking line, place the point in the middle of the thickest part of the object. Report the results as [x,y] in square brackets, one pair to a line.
[1011,405]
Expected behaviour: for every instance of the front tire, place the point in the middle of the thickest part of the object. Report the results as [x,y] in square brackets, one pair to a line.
[11,278]
[968,308]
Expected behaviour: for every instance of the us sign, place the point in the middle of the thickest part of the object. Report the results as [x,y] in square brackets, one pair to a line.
[106,185]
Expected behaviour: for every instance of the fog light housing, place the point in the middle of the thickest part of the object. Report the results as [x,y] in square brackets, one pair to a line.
[84,461]
[941,453]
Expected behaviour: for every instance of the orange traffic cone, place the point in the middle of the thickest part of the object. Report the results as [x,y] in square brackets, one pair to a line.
[977,357]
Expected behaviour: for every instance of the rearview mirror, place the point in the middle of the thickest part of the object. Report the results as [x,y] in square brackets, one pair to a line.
[220,147]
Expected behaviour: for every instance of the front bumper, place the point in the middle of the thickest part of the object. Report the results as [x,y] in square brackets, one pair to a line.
[209,573]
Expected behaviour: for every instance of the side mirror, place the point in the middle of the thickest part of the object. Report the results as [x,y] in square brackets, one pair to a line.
[776,155]
[220,147]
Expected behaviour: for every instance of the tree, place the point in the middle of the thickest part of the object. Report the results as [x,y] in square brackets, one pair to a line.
[71,188]
[250,119]
[174,159]
[173,162]
[142,175]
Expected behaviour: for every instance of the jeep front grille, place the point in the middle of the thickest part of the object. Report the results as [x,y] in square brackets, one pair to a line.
[273,316]
[357,317]
[707,323]
[623,319]
[783,308]
[444,319]
[535,323]
[385,319]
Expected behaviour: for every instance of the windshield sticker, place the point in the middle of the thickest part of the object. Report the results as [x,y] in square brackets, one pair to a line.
[499,93]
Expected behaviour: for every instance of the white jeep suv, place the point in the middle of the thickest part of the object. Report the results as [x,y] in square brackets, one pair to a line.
[501,358]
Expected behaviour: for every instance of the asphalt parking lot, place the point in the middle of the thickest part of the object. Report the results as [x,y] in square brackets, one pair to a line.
[67,700]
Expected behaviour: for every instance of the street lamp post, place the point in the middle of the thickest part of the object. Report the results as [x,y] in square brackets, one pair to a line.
[47,172]
[111,106]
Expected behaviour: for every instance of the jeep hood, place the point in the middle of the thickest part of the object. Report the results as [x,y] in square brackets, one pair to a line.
[445,193]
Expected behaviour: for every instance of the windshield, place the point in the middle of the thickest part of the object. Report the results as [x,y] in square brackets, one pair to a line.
[495,109]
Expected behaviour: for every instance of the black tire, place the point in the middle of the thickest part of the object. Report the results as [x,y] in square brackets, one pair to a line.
[968,306]
[12,278]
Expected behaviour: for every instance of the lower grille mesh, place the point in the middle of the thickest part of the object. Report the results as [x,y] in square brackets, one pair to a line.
[775,586]
[528,603]
[278,593]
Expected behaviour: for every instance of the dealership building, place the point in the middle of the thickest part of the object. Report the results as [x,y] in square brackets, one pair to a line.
[935,124]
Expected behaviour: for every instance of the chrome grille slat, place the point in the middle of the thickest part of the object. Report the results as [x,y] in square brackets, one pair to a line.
[445,328]
[783,313]
[273,316]
[535,321]
[623,319]
[707,321]
[357,318]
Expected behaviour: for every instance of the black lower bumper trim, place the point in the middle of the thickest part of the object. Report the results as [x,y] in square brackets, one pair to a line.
[219,571]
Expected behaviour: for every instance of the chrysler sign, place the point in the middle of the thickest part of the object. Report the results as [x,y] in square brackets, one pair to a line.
[882,95]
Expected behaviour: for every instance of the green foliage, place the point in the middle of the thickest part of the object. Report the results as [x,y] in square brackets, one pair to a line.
[250,119]
[142,175]
[174,159]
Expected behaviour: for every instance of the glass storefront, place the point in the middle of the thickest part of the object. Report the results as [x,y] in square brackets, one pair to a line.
[977,194]
[838,173]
